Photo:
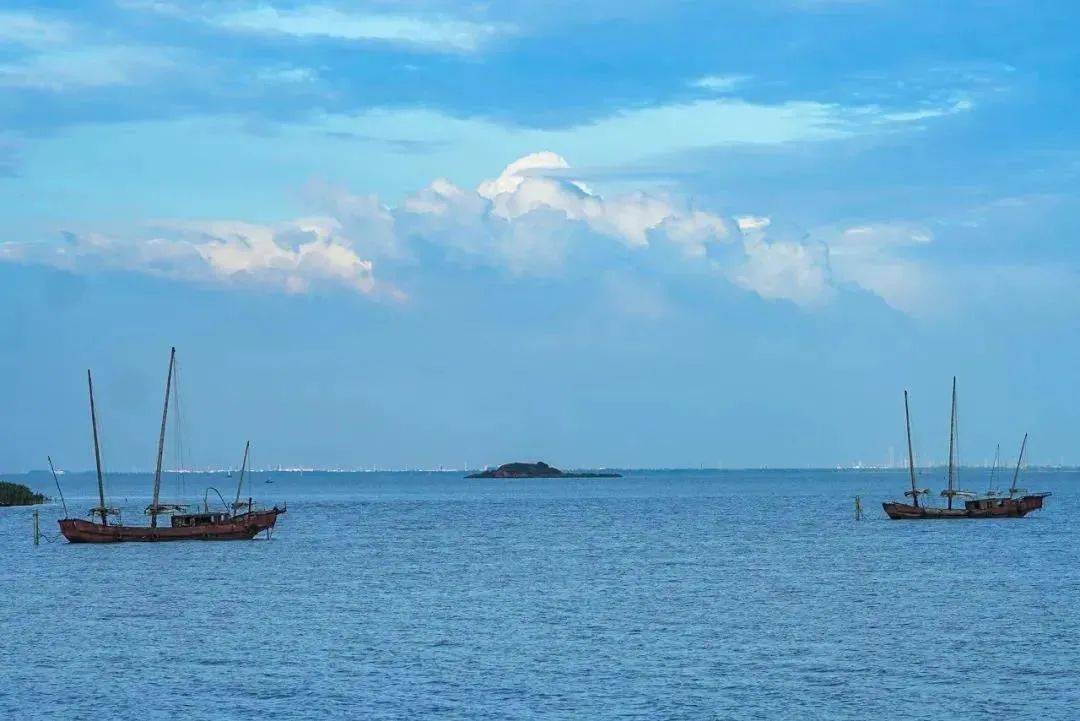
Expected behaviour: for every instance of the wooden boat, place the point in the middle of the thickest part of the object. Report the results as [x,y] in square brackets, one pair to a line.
[979,508]
[185,527]
[1017,504]
[230,525]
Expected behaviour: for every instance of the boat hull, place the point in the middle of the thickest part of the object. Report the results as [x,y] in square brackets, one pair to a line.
[1003,508]
[238,528]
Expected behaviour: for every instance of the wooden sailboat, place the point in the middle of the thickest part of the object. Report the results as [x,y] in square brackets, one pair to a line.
[207,526]
[989,506]
[1019,501]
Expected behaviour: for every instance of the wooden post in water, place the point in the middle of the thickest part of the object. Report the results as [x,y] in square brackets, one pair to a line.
[858,508]
[37,528]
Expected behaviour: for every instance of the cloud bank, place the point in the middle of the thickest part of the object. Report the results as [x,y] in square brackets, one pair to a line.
[532,220]
[293,257]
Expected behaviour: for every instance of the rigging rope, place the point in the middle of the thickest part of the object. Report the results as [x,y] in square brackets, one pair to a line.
[178,435]
[993,471]
[101,452]
[957,444]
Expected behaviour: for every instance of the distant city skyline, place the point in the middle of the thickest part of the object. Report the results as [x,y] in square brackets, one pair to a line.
[623,234]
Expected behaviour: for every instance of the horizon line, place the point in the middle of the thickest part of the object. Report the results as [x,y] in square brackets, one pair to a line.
[441,469]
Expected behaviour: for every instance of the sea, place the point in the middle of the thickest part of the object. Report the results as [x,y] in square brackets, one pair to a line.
[683,594]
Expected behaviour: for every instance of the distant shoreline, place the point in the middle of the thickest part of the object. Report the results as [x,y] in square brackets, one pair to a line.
[614,469]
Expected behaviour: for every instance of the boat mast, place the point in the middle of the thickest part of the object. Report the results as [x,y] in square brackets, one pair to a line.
[910,453]
[952,444]
[1016,474]
[58,489]
[993,472]
[97,454]
[161,442]
[243,467]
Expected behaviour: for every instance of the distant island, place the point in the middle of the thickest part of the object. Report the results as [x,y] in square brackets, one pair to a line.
[13,494]
[536,470]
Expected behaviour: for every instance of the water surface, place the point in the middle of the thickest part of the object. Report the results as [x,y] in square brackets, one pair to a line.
[661,595]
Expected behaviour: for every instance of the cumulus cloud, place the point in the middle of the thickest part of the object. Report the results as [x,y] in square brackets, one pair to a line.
[532,219]
[292,257]
[784,270]
[877,258]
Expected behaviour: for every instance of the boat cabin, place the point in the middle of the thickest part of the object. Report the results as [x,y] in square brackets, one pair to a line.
[983,504]
[187,520]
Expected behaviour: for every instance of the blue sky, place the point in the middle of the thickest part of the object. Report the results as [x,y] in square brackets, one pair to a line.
[631,233]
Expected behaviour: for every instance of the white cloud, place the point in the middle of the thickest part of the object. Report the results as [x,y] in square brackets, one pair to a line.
[531,222]
[719,83]
[87,67]
[20,28]
[306,21]
[366,222]
[785,270]
[532,219]
[878,116]
[627,139]
[54,55]
[751,223]
[874,257]
[293,257]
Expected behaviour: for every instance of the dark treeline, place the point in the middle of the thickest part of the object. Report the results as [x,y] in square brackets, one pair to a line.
[13,494]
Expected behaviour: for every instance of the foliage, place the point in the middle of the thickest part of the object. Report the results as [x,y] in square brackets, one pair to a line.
[13,494]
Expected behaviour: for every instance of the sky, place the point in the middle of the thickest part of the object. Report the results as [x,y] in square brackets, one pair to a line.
[634,234]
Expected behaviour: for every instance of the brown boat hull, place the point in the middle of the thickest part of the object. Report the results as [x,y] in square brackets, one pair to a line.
[1003,508]
[239,528]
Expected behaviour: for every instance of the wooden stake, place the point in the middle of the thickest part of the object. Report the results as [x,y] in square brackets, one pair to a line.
[858,508]
[37,528]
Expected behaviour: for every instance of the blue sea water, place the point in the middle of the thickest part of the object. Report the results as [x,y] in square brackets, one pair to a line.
[660,595]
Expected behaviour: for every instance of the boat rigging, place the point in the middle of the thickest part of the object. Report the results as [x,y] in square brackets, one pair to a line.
[228,525]
[1018,503]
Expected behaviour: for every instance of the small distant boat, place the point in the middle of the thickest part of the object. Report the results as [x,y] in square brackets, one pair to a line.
[230,525]
[989,505]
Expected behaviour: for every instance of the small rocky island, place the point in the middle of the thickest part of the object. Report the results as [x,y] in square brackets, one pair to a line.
[536,470]
[14,494]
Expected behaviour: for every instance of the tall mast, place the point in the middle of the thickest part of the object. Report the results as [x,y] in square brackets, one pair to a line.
[243,467]
[910,453]
[97,453]
[952,444]
[161,442]
[1016,474]
[58,489]
[997,459]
